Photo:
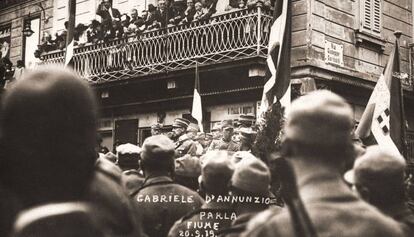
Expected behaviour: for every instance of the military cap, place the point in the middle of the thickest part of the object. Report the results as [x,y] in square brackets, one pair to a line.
[192,127]
[181,123]
[247,134]
[188,166]
[377,168]
[227,124]
[251,175]
[128,148]
[158,148]
[189,1]
[128,156]
[319,118]
[217,169]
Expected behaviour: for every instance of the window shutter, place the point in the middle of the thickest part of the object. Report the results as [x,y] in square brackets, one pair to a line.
[371,16]
[366,14]
[376,16]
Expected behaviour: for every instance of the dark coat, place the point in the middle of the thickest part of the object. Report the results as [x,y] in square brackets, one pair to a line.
[173,202]
[210,218]
[334,211]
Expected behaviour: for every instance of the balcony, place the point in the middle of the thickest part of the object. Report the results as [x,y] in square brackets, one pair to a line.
[228,37]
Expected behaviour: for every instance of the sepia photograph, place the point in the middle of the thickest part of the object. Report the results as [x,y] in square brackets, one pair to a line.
[206,118]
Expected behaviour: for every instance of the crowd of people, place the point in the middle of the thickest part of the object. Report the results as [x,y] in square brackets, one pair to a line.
[117,25]
[56,180]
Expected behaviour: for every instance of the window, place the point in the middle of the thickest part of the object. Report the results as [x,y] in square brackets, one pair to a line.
[370,16]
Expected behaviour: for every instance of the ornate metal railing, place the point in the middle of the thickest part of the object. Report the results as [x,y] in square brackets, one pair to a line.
[226,37]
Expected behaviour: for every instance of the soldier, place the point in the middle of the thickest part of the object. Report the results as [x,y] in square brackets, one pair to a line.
[317,143]
[378,178]
[225,143]
[247,137]
[216,131]
[251,179]
[187,171]
[160,200]
[184,144]
[53,161]
[214,215]
[156,129]
[128,161]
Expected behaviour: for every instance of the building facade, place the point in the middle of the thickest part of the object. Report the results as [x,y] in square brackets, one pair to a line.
[343,45]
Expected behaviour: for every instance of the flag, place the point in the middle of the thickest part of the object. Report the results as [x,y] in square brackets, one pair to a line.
[278,60]
[383,120]
[70,31]
[197,111]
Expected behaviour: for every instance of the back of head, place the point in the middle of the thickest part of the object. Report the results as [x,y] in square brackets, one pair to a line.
[216,172]
[128,156]
[48,133]
[157,154]
[382,173]
[251,177]
[321,120]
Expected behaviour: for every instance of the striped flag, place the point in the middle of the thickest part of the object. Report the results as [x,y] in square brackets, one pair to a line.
[383,120]
[70,31]
[277,77]
[197,111]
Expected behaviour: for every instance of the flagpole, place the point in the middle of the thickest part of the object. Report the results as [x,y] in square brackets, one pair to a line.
[404,127]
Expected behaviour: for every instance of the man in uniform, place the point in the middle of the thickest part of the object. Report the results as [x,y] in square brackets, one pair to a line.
[251,179]
[128,161]
[317,143]
[225,143]
[160,200]
[156,129]
[185,134]
[247,137]
[378,178]
[215,214]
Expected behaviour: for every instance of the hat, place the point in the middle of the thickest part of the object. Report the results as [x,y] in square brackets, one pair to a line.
[151,8]
[319,118]
[377,168]
[188,166]
[192,127]
[158,148]
[156,126]
[247,134]
[181,123]
[227,124]
[128,148]
[252,175]
[240,155]
[217,169]
[128,156]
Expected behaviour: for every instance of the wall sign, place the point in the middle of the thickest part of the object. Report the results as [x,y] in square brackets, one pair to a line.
[334,53]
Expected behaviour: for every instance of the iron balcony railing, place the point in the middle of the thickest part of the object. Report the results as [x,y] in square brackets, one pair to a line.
[226,37]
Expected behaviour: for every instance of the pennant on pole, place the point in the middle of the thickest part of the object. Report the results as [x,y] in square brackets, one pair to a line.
[197,111]
[278,59]
[70,31]
[383,120]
